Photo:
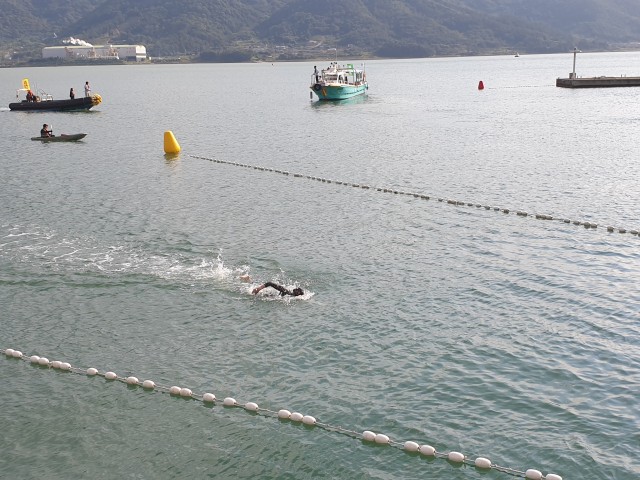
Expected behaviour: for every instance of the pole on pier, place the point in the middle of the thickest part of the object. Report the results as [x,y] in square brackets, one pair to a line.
[575,53]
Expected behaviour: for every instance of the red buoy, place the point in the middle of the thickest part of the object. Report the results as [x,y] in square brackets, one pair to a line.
[480,85]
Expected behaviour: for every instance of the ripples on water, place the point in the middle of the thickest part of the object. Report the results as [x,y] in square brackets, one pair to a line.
[465,328]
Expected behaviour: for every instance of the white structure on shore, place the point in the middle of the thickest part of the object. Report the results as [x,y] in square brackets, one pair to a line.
[131,53]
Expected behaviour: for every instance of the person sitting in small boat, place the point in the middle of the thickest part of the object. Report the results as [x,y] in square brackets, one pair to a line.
[283,291]
[46,131]
[30,96]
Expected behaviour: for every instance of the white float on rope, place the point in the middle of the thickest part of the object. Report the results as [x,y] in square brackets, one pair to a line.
[284,414]
[92,371]
[553,476]
[482,462]
[533,474]
[208,397]
[427,450]
[308,420]
[456,457]
[149,384]
[369,436]
[110,376]
[410,446]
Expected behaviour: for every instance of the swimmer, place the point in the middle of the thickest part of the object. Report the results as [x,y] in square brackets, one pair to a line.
[283,291]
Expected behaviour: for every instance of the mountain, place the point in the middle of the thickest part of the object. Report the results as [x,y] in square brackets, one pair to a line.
[308,28]
[605,21]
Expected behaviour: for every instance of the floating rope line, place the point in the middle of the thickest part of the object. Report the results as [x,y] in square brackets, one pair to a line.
[368,436]
[520,213]
[520,86]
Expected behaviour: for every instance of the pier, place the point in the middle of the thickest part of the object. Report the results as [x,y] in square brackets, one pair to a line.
[598,82]
[595,82]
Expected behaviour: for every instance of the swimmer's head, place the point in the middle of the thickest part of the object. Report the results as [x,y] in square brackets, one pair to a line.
[297,292]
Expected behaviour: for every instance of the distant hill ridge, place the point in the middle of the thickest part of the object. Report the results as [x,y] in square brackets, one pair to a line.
[308,28]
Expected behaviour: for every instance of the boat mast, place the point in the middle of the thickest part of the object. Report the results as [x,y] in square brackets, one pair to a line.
[336,53]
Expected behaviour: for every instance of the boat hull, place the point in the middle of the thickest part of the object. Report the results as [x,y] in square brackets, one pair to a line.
[338,92]
[77,104]
[74,137]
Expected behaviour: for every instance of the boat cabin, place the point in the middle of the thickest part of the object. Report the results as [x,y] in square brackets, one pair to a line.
[339,75]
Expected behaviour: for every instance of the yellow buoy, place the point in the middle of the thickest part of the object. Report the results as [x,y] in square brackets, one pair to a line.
[171,145]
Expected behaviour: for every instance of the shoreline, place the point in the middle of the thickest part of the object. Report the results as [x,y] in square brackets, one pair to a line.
[183,60]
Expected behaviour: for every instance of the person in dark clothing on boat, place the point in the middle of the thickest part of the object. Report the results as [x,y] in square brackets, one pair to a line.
[296,292]
[315,72]
[46,131]
[72,94]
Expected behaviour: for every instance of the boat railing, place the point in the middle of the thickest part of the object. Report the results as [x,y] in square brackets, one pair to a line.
[342,75]
[45,97]
[327,78]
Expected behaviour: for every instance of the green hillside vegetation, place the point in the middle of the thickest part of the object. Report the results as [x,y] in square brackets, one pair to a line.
[243,30]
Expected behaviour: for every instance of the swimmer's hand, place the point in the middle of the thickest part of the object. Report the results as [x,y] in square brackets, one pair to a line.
[257,289]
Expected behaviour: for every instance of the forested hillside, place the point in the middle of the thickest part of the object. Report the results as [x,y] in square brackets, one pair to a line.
[291,29]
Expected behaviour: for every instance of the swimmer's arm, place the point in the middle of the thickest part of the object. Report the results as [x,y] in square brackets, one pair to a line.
[283,291]
[280,288]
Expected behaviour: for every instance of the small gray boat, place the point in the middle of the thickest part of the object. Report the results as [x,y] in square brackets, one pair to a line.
[74,137]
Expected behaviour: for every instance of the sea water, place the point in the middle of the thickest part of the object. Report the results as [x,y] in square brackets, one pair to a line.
[451,321]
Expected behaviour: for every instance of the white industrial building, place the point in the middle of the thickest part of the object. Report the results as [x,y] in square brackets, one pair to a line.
[129,53]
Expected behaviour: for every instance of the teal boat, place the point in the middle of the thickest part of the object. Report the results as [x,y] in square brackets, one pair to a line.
[339,82]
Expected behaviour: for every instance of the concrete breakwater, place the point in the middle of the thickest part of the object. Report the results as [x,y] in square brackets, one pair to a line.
[598,82]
